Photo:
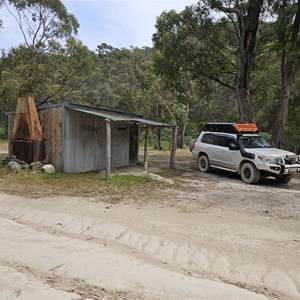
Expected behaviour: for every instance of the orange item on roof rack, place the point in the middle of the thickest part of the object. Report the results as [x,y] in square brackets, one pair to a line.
[245,127]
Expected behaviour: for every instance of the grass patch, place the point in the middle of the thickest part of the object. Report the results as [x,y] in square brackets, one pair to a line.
[31,184]
[3,144]
[128,180]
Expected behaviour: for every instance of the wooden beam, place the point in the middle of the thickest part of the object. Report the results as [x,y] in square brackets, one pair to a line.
[174,147]
[108,147]
[146,149]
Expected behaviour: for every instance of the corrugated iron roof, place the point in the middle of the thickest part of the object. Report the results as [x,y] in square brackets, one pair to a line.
[114,117]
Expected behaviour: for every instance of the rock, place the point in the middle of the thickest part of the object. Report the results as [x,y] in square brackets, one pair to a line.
[36,166]
[14,166]
[25,166]
[49,169]
[10,158]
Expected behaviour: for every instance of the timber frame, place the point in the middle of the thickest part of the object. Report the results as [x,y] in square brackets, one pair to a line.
[110,118]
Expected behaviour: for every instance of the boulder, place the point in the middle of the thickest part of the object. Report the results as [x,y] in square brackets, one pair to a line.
[36,166]
[49,169]
[14,166]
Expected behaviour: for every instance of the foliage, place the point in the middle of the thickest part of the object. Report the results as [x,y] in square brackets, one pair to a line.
[47,30]
[287,29]
[188,78]
[44,23]
[3,133]
[55,76]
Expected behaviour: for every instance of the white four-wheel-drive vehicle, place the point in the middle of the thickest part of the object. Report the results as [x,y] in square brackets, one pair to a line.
[239,148]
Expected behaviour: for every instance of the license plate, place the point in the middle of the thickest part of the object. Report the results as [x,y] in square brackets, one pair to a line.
[292,170]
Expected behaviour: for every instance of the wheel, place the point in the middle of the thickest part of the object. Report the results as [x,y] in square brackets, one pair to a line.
[203,163]
[283,178]
[249,173]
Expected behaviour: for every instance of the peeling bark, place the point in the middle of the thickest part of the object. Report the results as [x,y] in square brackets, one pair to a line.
[248,25]
[290,65]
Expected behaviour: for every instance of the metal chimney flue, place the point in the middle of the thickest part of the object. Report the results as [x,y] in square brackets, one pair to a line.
[27,138]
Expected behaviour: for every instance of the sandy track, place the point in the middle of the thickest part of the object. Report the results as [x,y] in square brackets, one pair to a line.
[204,237]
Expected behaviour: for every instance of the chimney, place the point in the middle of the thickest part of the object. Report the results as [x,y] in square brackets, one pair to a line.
[27,138]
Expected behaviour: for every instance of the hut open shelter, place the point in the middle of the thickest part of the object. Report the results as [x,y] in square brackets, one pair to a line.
[80,138]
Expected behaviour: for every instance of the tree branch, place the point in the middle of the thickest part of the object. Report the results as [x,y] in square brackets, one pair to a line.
[215,4]
[19,22]
[218,80]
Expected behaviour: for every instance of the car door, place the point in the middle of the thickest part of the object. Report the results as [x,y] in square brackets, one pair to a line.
[208,146]
[227,158]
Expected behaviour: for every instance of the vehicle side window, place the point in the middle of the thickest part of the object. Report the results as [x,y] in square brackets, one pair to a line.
[230,140]
[207,138]
[221,140]
[218,140]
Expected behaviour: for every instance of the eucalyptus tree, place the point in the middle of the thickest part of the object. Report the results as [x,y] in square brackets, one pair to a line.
[56,77]
[43,23]
[214,39]
[191,48]
[47,28]
[287,27]
[245,18]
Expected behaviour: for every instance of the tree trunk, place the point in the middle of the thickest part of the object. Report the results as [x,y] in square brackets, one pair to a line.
[245,60]
[182,128]
[247,29]
[287,78]
[158,132]
[289,68]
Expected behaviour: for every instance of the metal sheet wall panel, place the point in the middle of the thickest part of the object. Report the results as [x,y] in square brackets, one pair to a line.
[85,142]
[119,145]
[85,148]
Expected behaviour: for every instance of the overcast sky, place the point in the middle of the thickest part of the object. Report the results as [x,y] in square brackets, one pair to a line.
[120,23]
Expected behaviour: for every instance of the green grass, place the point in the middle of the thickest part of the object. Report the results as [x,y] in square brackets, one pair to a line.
[3,144]
[40,184]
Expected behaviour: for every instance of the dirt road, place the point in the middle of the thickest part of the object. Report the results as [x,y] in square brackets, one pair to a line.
[205,236]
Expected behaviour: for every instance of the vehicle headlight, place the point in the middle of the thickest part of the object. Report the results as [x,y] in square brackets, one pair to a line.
[270,159]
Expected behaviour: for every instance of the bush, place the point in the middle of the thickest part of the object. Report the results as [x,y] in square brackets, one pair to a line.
[3,133]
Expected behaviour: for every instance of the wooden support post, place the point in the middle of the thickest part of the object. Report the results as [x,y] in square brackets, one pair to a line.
[108,147]
[146,149]
[174,147]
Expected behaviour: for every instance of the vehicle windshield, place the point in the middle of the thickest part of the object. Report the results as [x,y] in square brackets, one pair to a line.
[254,142]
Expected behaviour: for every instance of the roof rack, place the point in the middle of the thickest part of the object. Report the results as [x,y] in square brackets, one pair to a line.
[230,127]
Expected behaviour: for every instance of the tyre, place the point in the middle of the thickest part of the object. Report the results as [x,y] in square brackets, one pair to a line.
[249,173]
[203,163]
[283,178]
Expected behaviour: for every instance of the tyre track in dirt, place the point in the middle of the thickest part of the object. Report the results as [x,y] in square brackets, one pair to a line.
[181,257]
[99,267]
[20,282]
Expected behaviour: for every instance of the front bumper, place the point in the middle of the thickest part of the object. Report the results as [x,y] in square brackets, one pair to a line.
[279,169]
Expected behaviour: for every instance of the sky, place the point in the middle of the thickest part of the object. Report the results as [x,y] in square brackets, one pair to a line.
[120,23]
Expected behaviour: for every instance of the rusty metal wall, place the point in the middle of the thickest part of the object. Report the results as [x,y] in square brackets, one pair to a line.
[11,124]
[51,121]
[76,142]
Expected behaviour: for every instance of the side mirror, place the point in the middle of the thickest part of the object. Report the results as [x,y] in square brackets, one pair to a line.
[233,147]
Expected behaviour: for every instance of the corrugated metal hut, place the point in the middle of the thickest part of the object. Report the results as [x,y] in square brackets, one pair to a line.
[81,138]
